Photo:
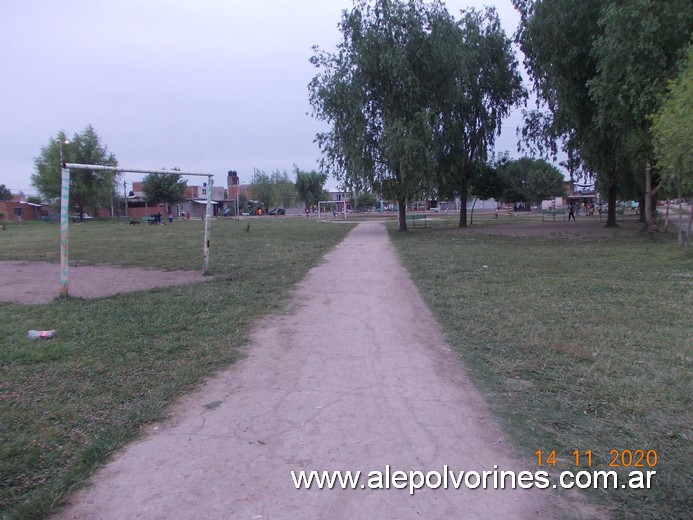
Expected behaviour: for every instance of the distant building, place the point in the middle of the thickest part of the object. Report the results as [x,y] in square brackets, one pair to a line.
[19,209]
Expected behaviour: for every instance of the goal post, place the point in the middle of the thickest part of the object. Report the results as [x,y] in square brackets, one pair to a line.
[329,203]
[65,217]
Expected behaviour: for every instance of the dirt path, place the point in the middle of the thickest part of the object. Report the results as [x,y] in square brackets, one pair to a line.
[357,377]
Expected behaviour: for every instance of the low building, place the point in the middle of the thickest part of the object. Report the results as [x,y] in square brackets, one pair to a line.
[20,210]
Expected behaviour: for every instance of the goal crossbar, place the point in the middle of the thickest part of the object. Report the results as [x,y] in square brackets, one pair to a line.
[330,202]
[65,206]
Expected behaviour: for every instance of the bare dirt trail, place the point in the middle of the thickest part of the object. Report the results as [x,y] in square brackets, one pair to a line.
[356,377]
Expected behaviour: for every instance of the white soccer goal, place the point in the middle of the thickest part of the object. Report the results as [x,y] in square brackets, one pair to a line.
[332,206]
[65,219]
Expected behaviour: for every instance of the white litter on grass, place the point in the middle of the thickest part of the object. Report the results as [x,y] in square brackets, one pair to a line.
[40,334]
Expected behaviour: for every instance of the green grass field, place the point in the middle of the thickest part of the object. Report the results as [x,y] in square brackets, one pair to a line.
[578,343]
[118,362]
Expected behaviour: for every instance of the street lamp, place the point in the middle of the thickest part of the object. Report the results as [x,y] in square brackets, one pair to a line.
[61,142]
[125,196]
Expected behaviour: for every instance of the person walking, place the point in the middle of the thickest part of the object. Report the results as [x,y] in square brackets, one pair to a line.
[571,212]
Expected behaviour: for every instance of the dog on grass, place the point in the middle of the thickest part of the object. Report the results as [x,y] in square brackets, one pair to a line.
[134,222]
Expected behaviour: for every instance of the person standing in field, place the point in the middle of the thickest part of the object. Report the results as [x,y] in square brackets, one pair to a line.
[571,211]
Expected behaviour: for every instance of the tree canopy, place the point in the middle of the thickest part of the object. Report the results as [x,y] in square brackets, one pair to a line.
[364,201]
[671,129]
[531,180]
[273,190]
[285,189]
[167,188]
[309,186]
[476,84]
[89,190]
[414,98]
[261,188]
[600,69]
[371,92]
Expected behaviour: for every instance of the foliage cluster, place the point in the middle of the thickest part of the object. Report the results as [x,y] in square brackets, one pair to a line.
[671,128]
[89,190]
[414,98]
[364,201]
[530,180]
[310,187]
[167,188]
[600,70]
[273,190]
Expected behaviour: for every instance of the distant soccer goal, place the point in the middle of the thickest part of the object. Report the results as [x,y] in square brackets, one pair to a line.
[65,205]
[332,207]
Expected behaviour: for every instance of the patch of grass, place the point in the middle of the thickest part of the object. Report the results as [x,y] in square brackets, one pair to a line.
[117,363]
[578,345]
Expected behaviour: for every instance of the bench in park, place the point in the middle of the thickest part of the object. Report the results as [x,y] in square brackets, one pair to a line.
[552,212]
[412,218]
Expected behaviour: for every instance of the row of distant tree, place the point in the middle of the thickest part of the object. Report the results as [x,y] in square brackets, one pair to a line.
[91,190]
[415,97]
[527,180]
[278,190]
[504,179]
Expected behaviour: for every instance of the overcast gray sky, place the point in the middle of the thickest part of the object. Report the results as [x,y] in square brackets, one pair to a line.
[204,85]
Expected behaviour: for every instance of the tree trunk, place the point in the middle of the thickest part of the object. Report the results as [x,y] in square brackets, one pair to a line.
[641,210]
[648,199]
[402,213]
[471,216]
[651,224]
[464,191]
[611,200]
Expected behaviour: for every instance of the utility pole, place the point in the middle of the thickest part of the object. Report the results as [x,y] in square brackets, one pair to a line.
[125,196]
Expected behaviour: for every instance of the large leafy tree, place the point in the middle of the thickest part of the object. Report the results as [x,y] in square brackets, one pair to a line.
[600,68]
[167,188]
[671,130]
[486,182]
[309,186]
[89,190]
[556,37]
[531,180]
[672,127]
[372,94]
[285,189]
[475,83]
[275,189]
[638,48]
[262,189]
[364,201]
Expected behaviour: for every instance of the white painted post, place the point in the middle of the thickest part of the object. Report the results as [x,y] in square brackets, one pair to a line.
[96,167]
[208,220]
[64,230]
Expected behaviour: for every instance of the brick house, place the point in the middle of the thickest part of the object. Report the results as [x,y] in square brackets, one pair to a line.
[20,210]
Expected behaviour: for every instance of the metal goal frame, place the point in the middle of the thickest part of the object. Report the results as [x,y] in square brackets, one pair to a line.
[65,217]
